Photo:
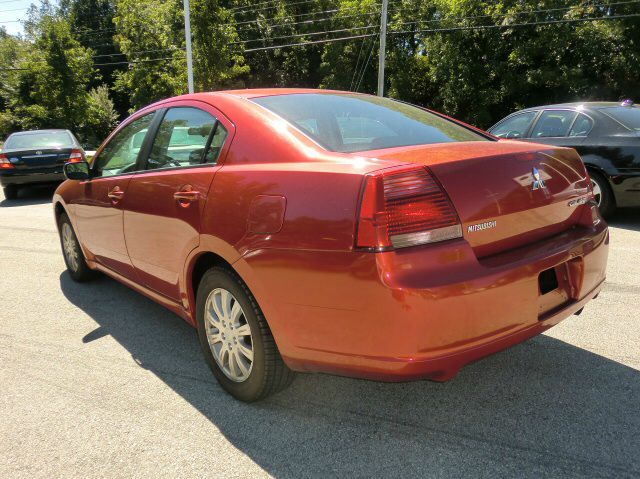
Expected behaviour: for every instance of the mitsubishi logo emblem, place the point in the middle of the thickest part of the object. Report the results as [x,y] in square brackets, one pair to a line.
[538,182]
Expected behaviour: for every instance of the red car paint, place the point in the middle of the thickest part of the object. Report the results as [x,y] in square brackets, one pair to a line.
[283,212]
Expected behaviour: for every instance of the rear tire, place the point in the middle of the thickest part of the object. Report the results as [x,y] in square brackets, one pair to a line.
[10,192]
[72,252]
[236,340]
[603,193]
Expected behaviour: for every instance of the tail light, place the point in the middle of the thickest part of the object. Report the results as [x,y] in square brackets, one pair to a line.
[5,164]
[76,156]
[405,208]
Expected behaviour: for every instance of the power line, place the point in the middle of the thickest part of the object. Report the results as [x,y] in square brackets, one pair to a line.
[517,25]
[364,68]
[308,34]
[355,69]
[133,62]
[251,9]
[14,10]
[526,12]
[444,30]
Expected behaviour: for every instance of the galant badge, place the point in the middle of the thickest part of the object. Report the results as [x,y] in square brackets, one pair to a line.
[538,182]
[38,152]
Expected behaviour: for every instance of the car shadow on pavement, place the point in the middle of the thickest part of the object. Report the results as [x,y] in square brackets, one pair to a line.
[31,195]
[541,408]
[627,218]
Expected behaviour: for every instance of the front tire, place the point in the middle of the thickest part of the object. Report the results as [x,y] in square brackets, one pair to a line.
[72,252]
[236,340]
[10,192]
[602,193]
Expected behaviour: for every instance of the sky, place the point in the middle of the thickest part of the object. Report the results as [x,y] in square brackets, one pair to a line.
[12,10]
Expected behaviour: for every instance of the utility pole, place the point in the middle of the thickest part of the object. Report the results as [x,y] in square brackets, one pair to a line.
[187,36]
[383,47]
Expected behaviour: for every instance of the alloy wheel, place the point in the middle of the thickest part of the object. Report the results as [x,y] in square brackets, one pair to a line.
[229,335]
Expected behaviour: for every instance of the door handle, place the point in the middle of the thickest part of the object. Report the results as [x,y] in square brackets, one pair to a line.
[186,196]
[115,194]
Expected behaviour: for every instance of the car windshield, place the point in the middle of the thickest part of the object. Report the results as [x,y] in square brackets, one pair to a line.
[628,116]
[40,139]
[350,122]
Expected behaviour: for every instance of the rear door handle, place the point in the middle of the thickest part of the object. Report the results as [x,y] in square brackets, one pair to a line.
[115,194]
[186,196]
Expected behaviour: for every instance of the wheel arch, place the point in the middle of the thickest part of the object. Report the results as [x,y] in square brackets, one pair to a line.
[206,259]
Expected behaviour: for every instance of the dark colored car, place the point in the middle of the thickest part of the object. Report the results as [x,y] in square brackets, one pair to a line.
[36,157]
[605,134]
[315,230]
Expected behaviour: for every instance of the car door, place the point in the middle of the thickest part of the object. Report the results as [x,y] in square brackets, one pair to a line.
[99,216]
[164,202]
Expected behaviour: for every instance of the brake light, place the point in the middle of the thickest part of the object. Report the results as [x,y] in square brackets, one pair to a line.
[76,156]
[405,208]
[5,164]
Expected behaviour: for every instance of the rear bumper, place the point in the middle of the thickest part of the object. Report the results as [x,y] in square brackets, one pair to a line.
[426,312]
[21,177]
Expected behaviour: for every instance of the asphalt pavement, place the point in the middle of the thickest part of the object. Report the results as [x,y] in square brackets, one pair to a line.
[98,381]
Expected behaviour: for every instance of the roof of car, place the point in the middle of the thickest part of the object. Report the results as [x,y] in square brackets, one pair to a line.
[29,132]
[592,105]
[257,92]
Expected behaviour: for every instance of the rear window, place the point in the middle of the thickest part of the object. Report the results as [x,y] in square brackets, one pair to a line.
[349,123]
[44,139]
[628,116]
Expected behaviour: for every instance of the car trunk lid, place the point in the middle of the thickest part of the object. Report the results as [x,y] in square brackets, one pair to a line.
[38,158]
[507,193]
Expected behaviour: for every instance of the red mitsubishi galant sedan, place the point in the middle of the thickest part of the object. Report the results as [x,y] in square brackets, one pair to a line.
[309,230]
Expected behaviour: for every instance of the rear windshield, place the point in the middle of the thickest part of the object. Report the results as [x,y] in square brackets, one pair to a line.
[44,139]
[628,116]
[349,122]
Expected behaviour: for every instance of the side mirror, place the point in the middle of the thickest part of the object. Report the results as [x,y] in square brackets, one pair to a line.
[78,171]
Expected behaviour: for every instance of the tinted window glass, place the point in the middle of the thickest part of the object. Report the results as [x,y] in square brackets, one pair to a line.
[553,123]
[582,126]
[516,126]
[349,123]
[628,116]
[120,154]
[44,139]
[217,143]
[181,138]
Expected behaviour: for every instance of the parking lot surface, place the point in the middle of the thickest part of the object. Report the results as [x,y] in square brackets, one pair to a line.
[98,381]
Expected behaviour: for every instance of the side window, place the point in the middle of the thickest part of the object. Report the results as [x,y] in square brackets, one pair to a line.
[182,138]
[553,124]
[217,143]
[120,154]
[582,126]
[516,126]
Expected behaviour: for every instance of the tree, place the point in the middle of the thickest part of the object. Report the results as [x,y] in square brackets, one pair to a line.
[52,76]
[100,116]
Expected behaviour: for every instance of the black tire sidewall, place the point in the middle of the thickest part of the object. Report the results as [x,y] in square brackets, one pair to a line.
[607,202]
[252,388]
[83,272]
[10,192]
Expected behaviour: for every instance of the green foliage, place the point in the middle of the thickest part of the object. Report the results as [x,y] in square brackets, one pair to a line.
[100,116]
[147,30]
[81,57]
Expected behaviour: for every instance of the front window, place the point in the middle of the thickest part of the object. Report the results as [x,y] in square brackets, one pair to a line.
[120,155]
[516,126]
[41,139]
[349,122]
[628,116]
